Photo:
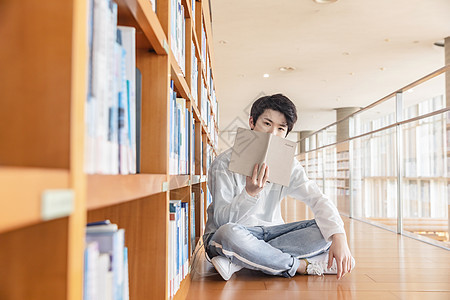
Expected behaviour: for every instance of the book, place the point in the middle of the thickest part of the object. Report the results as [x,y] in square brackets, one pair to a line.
[128,36]
[138,119]
[253,147]
[110,241]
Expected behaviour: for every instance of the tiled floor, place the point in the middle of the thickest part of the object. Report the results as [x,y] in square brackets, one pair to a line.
[388,266]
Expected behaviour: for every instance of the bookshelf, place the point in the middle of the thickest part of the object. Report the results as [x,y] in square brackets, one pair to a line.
[43,137]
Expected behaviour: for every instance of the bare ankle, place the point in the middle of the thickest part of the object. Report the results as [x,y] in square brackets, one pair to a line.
[302,267]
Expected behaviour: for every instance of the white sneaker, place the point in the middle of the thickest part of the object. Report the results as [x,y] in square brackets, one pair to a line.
[224,266]
[318,265]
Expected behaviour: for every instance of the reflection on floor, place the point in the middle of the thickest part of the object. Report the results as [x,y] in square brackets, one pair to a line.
[388,266]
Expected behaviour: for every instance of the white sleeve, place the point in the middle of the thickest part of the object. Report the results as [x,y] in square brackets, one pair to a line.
[325,212]
[230,205]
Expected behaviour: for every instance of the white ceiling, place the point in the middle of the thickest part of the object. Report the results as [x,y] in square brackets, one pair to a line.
[348,53]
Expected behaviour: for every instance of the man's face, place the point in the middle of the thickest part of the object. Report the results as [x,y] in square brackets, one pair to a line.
[270,121]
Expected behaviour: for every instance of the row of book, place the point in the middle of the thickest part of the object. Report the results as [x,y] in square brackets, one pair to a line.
[207,155]
[181,146]
[194,76]
[182,136]
[181,234]
[178,33]
[113,100]
[106,263]
[111,107]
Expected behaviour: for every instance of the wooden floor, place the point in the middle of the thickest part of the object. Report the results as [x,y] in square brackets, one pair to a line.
[388,266]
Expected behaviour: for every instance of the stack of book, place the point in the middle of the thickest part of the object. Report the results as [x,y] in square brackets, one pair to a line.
[106,262]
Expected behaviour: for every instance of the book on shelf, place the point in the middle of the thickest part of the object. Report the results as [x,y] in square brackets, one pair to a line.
[178,244]
[203,45]
[192,223]
[110,114]
[106,263]
[177,33]
[253,147]
[179,138]
[138,119]
[202,211]
[128,37]
[194,75]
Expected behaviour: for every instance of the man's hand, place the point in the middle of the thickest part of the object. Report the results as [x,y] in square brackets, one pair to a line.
[340,251]
[256,183]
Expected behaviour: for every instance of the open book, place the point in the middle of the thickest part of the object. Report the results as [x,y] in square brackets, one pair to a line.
[253,147]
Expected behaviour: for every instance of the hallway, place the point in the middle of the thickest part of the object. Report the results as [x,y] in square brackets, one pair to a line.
[388,266]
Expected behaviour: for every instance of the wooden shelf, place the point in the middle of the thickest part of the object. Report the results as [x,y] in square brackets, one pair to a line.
[149,34]
[425,178]
[106,190]
[380,177]
[21,194]
[38,156]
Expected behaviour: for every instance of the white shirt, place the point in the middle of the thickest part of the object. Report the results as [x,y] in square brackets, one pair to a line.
[232,204]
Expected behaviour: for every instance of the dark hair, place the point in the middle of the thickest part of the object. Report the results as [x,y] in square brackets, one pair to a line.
[276,102]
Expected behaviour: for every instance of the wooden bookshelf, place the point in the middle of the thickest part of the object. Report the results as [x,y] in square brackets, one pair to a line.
[43,147]
[150,34]
[106,190]
[21,192]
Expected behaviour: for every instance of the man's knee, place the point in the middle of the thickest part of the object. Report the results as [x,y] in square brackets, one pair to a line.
[228,231]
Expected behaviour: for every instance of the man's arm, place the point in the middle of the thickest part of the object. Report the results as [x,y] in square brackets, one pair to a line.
[325,212]
[327,218]
[230,205]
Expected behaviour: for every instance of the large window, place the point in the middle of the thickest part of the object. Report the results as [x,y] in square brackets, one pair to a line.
[393,168]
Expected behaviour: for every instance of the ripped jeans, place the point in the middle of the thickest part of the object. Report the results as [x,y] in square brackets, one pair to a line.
[274,250]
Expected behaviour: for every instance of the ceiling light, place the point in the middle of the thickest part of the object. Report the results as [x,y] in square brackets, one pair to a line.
[439,44]
[345,53]
[286,69]
[410,91]
[266,75]
[223,42]
[382,69]
[324,1]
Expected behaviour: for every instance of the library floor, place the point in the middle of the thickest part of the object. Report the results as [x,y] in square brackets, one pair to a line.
[388,266]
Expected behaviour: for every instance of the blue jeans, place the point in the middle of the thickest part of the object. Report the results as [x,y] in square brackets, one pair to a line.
[274,250]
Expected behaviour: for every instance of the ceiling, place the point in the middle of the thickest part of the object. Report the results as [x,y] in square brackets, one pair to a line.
[346,54]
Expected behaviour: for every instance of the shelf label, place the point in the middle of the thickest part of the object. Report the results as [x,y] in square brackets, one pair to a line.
[195,179]
[165,186]
[166,46]
[57,204]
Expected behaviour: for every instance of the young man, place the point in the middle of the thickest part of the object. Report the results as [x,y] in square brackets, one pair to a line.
[245,228]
